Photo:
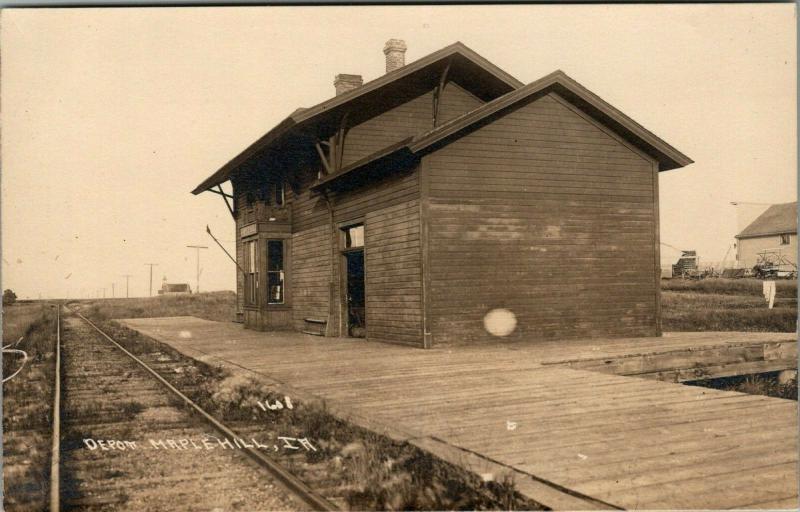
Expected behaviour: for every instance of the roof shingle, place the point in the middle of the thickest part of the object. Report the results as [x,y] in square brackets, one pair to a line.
[779,218]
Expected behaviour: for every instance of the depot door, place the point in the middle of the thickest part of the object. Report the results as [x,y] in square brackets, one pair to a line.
[353,272]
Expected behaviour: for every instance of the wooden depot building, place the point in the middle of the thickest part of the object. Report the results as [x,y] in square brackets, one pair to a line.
[443,196]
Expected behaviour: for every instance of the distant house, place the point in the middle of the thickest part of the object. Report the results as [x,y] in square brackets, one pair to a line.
[446,202]
[174,288]
[774,231]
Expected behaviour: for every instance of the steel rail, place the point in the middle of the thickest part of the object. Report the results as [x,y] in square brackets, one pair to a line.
[55,454]
[290,481]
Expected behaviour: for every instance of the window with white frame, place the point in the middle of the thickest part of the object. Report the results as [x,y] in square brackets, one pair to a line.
[275,272]
[251,284]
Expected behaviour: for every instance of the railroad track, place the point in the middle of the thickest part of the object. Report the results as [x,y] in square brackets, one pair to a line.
[128,442]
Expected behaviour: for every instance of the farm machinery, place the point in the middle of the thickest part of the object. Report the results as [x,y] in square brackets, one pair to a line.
[688,266]
[772,264]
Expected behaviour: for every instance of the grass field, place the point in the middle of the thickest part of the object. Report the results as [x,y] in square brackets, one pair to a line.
[687,305]
[218,306]
[727,305]
[27,404]
[767,384]
[743,287]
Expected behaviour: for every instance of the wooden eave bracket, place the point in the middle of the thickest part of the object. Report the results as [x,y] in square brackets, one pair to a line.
[225,197]
[332,162]
[437,93]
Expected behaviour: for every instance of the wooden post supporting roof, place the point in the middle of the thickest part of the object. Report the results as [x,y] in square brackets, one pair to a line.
[341,133]
[437,93]
[323,158]
[332,162]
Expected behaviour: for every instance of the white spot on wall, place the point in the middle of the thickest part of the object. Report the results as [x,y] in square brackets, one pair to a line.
[500,322]
[552,232]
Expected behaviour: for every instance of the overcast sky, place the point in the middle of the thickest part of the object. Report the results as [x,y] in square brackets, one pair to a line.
[111,116]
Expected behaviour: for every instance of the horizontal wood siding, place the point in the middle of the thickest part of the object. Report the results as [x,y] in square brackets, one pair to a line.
[311,261]
[543,213]
[394,275]
[455,102]
[392,126]
[409,119]
[389,209]
[240,207]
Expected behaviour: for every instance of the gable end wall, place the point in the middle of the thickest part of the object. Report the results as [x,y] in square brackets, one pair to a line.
[543,213]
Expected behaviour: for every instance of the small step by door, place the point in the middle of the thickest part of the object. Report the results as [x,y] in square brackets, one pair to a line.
[356,297]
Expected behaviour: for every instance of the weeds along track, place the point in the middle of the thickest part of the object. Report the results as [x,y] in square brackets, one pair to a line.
[28,373]
[130,443]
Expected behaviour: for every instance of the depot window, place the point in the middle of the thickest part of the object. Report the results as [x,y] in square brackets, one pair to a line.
[251,284]
[275,272]
[279,194]
[785,239]
[354,236]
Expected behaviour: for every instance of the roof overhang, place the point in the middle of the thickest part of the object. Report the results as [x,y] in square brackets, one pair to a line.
[771,233]
[558,82]
[467,68]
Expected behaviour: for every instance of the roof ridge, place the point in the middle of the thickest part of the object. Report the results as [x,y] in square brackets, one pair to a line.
[557,77]
[776,219]
[300,116]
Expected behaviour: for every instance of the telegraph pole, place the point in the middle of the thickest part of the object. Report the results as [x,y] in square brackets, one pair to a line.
[151,275]
[112,290]
[127,278]
[197,247]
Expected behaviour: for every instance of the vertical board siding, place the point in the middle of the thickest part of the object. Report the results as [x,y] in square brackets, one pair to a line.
[543,213]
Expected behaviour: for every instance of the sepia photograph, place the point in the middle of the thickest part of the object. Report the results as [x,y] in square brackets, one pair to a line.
[407,257]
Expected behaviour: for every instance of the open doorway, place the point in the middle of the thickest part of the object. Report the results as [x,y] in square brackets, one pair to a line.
[355,291]
[356,311]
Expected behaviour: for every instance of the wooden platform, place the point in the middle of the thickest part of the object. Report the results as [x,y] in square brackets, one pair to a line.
[572,438]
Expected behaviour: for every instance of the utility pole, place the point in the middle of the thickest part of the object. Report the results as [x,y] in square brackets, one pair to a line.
[112,290]
[197,247]
[127,278]
[151,275]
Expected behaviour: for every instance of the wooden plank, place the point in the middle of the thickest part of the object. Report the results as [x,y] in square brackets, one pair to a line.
[724,491]
[724,370]
[659,440]
[788,502]
[670,467]
[545,493]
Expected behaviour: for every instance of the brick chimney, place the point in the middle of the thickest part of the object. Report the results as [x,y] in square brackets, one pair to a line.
[395,51]
[344,83]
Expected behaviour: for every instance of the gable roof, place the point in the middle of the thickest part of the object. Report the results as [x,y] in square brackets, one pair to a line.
[557,82]
[465,63]
[778,219]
